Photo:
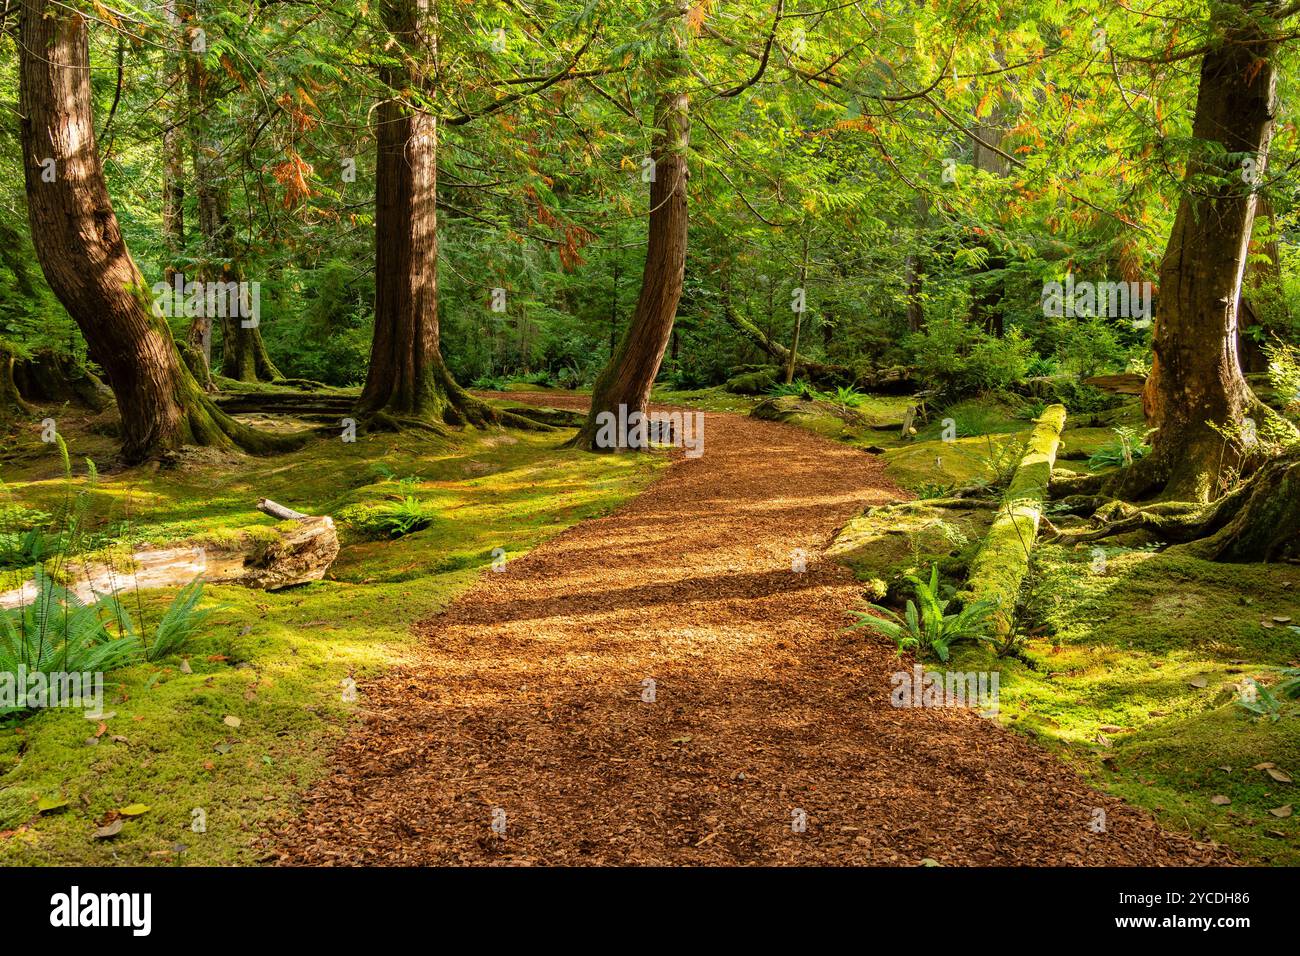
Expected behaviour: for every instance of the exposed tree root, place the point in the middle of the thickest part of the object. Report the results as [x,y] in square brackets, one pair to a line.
[1257,521]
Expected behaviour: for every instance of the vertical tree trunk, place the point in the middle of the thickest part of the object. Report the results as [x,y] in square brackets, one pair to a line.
[798,316]
[407,378]
[613,312]
[197,348]
[913,267]
[83,254]
[987,306]
[1260,283]
[629,376]
[243,354]
[1196,381]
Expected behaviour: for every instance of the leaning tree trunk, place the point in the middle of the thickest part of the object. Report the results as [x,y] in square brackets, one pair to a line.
[407,381]
[243,354]
[630,374]
[83,254]
[1196,381]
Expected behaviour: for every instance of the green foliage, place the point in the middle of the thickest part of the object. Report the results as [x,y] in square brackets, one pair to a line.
[799,388]
[1129,448]
[929,630]
[1284,372]
[321,325]
[57,632]
[180,623]
[1083,346]
[957,359]
[1078,398]
[847,396]
[25,548]
[393,519]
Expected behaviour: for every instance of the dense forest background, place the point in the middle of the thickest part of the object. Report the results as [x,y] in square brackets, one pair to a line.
[919,170]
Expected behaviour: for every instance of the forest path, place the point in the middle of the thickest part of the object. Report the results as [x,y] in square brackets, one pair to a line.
[528,701]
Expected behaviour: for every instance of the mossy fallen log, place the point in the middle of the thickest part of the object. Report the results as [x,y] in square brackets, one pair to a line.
[1002,561]
[299,549]
[555,417]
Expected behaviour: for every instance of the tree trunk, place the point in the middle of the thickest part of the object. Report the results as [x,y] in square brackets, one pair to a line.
[913,267]
[1196,381]
[407,380]
[48,376]
[196,350]
[629,376]
[1258,520]
[987,305]
[1260,284]
[243,354]
[83,254]
[798,315]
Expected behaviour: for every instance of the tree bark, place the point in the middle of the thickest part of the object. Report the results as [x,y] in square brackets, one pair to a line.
[629,376]
[1196,381]
[999,567]
[408,380]
[85,259]
[1260,283]
[798,316]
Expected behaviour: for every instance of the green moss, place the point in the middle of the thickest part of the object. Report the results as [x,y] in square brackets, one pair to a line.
[951,464]
[706,399]
[888,543]
[752,383]
[1133,668]
[276,660]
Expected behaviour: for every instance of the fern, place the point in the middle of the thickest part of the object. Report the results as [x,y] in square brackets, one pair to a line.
[929,629]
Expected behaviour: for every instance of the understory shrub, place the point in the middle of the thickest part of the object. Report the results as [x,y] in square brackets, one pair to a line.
[957,359]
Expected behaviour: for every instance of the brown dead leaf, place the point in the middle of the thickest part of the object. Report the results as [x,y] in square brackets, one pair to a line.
[1281,812]
[109,831]
[1219,800]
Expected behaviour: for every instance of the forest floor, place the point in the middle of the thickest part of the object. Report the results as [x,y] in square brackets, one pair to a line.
[659,686]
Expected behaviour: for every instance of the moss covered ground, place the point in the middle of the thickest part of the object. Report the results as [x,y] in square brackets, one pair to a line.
[1134,661]
[233,731]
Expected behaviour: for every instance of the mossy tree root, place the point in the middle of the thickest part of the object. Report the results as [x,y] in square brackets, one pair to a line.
[1259,520]
[206,424]
[1170,520]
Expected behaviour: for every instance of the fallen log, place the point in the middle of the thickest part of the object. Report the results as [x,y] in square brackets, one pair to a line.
[299,549]
[1126,383]
[555,417]
[1000,565]
[897,380]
